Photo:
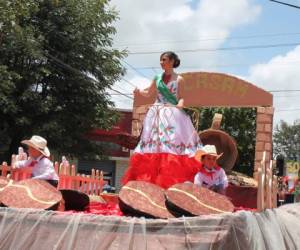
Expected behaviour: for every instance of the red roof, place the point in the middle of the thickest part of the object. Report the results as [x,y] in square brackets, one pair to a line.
[119,134]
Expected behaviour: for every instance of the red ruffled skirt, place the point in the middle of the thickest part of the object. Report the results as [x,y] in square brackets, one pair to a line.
[163,169]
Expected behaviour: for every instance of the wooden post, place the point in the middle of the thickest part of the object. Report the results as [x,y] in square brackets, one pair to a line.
[83,184]
[73,174]
[269,175]
[259,190]
[4,169]
[261,185]
[13,160]
[68,175]
[77,182]
[216,123]
[274,191]
[56,167]
[101,181]
[99,190]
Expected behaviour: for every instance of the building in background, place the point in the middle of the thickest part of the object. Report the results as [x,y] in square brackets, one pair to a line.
[118,141]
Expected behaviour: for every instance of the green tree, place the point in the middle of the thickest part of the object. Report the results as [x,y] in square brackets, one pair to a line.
[56,64]
[286,140]
[240,124]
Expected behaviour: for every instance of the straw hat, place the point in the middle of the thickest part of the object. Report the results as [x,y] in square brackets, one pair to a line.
[207,150]
[39,143]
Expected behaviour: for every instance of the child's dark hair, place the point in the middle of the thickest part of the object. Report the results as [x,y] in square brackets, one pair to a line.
[172,56]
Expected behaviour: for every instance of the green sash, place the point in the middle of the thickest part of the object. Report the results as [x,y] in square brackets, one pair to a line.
[163,89]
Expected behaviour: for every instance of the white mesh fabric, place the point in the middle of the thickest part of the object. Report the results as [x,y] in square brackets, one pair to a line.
[39,229]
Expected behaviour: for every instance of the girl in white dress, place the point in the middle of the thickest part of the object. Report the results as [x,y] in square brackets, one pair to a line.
[165,153]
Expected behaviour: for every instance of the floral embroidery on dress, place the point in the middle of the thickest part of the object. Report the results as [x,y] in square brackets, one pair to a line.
[181,148]
[163,136]
[167,129]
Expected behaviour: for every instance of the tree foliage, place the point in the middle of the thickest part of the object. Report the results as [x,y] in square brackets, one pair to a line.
[56,64]
[287,140]
[240,124]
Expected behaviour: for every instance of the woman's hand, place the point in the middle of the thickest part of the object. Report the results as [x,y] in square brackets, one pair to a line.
[137,92]
[180,104]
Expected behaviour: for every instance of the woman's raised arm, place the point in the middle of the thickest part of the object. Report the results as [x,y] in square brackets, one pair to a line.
[147,91]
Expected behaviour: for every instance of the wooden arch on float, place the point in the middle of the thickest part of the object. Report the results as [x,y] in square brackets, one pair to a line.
[203,89]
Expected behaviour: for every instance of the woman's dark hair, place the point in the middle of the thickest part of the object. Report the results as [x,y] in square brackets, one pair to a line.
[172,56]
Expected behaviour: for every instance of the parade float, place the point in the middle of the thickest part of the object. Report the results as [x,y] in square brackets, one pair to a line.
[160,219]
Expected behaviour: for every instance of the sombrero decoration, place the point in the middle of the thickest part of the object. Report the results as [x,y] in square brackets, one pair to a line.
[4,182]
[207,150]
[39,143]
[30,193]
[140,198]
[191,200]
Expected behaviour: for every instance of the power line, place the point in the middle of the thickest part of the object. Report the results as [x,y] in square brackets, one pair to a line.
[285,96]
[288,4]
[71,68]
[67,66]
[136,70]
[209,39]
[294,63]
[266,46]
[278,91]
[154,70]
[120,88]
[284,90]
[130,83]
[120,93]
[287,110]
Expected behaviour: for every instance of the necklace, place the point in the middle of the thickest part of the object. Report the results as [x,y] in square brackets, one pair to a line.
[166,78]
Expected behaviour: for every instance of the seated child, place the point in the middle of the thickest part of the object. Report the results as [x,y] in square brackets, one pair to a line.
[42,167]
[210,174]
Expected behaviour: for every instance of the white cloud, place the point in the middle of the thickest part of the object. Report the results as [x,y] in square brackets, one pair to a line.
[146,21]
[179,14]
[281,73]
[174,25]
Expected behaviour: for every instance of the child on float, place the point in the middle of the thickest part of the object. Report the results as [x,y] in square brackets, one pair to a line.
[210,175]
[42,167]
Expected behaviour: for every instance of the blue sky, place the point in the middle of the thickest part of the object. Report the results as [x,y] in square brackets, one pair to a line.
[273,19]
[155,26]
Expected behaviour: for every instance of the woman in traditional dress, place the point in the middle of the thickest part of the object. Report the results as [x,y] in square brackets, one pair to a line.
[165,152]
